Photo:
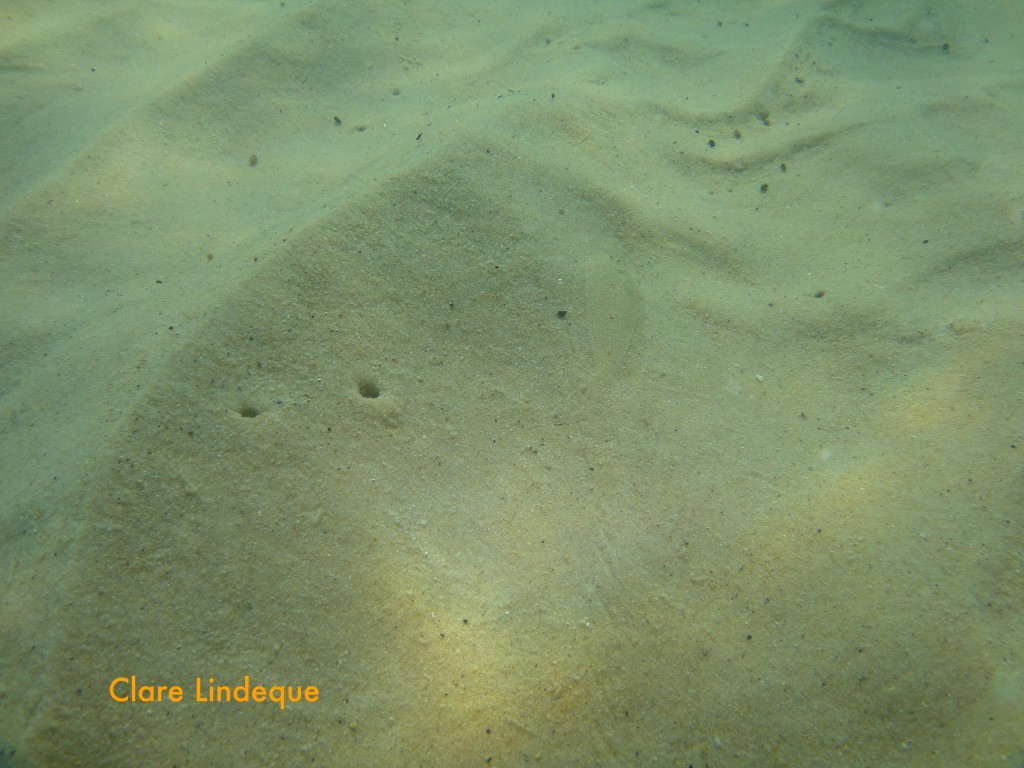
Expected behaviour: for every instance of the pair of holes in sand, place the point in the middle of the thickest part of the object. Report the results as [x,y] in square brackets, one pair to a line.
[365,387]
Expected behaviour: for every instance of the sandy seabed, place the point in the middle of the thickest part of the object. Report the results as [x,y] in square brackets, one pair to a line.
[594,383]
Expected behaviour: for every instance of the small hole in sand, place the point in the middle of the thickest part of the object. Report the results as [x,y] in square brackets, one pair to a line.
[368,389]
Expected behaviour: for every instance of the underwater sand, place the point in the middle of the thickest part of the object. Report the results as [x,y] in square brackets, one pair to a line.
[590,384]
